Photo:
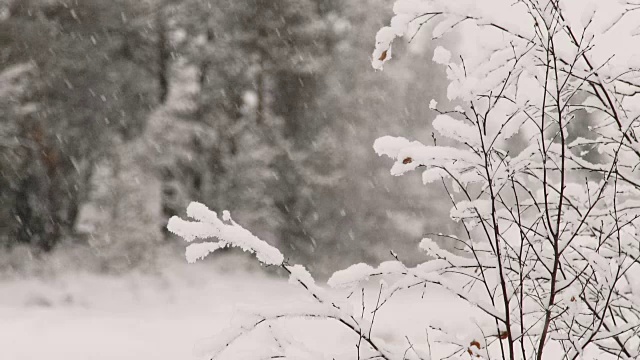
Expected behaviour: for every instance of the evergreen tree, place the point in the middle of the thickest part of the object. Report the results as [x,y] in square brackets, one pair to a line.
[90,90]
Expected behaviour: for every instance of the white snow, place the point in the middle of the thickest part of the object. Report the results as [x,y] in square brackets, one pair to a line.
[456,129]
[199,251]
[207,225]
[176,315]
[353,274]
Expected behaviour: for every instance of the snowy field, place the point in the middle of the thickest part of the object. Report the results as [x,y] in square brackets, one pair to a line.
[170,316]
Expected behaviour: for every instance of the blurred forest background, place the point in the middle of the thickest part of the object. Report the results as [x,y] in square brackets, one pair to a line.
[114,115]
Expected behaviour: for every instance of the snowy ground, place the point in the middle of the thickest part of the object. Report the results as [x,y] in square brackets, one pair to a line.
[89,317]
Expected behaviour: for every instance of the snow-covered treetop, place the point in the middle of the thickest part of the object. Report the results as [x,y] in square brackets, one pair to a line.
[507,53]
[505,43]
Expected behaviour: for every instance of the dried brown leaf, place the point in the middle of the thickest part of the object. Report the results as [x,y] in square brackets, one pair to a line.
[383,56]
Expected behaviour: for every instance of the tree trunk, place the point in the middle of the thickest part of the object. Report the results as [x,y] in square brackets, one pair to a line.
[163,54]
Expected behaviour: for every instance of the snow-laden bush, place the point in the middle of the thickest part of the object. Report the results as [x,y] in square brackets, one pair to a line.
[542,172]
